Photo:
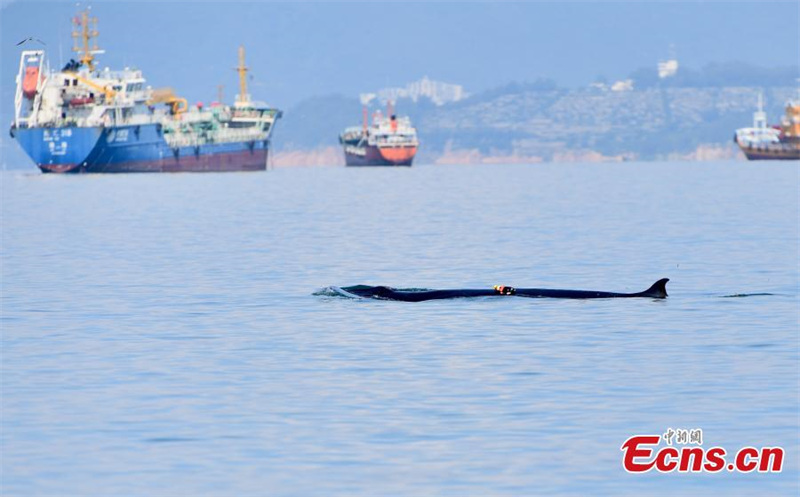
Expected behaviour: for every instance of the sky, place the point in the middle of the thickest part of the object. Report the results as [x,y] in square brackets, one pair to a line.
[302,49]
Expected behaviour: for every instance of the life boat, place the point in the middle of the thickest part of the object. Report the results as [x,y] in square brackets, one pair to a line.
[30,82]
[76,102]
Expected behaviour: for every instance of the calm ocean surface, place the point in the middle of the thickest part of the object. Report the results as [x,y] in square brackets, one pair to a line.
[161,336]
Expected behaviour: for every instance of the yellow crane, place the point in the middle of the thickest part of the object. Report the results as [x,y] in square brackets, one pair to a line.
[167,96]
[110,94]
[85,33]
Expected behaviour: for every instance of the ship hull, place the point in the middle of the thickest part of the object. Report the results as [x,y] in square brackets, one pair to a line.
[371,155]
[783,150]
[133,149]
[771,152]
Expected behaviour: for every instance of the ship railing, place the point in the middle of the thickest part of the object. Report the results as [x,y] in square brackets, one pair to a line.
[179,139]
[246,134]
[71,121]
[395,140]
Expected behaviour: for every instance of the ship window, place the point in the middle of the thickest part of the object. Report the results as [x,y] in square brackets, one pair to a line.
[66,82]
[74,82]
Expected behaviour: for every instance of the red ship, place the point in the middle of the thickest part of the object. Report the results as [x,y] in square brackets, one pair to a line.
[389,141]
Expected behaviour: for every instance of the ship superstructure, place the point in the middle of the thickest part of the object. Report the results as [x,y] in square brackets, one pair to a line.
[389,141]
[764,142]
[85,119]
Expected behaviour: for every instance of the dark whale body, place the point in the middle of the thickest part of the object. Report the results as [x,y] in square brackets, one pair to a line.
[657,291]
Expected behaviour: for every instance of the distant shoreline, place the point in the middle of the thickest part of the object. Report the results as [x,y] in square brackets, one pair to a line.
[333,157]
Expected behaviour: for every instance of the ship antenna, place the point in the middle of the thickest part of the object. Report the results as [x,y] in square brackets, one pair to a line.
[760,117]
[60,49]
[85,34]
[244,98]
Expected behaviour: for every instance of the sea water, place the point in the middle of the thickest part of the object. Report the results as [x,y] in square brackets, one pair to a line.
[169,334]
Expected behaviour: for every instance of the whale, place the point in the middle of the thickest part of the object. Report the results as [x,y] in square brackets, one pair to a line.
[657,291]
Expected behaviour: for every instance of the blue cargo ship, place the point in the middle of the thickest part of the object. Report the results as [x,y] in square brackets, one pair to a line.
[85,120]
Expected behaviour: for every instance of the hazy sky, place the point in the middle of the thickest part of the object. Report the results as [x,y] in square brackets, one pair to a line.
[301,49]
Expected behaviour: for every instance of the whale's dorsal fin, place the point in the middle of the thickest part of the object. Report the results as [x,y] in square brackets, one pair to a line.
[658,290]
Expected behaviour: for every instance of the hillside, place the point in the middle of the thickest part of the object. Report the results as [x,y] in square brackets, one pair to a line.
[541,122]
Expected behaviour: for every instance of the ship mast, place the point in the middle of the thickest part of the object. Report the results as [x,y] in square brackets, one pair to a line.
[760,117]
[242,99]
[85,34]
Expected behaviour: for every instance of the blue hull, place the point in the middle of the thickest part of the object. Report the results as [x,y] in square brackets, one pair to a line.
[130,149]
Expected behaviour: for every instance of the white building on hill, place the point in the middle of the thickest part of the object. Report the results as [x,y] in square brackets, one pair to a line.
[438,92]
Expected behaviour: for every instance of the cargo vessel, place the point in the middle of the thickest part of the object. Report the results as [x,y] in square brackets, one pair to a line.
[388,141]
[779,142]
[83,119]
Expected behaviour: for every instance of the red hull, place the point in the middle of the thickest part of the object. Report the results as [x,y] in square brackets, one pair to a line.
[375,156]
